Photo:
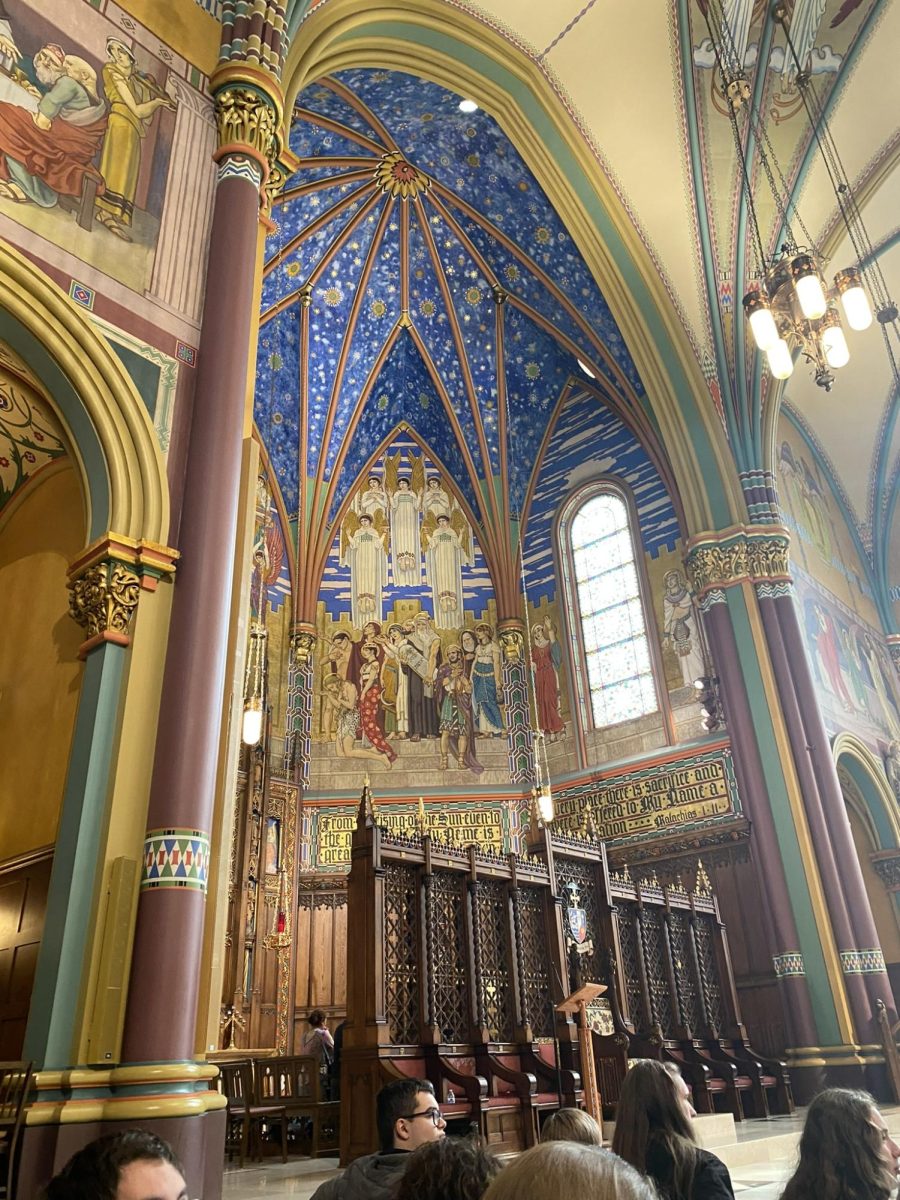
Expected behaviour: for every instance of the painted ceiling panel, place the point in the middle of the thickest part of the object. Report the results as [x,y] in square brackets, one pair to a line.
[537,24]
[308,139]
[327,102]
[404,394]
[624,86]
[435,325]
[275,404]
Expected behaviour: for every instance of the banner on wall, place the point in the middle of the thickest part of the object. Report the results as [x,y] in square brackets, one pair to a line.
[648,803]
[328,831]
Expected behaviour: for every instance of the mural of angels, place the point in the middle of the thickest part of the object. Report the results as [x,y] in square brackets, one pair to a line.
[405,500]
[447,542]
[364,551]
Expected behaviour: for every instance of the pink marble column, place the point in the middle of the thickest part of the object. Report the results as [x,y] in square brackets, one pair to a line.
[162,1000]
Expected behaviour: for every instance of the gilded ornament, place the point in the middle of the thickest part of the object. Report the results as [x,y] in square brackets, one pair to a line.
[303,645]
[102,599]
[767,558]
[245,118]
[397,177]
[513,644]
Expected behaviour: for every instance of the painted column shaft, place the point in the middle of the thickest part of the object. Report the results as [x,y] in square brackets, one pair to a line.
[783,667]
[850,874]
[781,929]
[162,1001]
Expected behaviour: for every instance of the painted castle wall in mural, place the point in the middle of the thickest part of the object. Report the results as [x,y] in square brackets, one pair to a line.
[855,679]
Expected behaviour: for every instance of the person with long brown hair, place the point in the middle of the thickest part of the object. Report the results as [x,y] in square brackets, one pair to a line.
[846,1151]
[448,1169]
[654,1133]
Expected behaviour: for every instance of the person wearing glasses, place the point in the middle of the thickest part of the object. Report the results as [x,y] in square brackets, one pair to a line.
[408,1116]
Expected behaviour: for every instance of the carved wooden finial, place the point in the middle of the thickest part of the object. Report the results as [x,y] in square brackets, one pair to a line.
[366,814]
[702,887]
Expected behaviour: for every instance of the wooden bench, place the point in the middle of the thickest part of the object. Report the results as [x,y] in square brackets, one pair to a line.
[295,1083]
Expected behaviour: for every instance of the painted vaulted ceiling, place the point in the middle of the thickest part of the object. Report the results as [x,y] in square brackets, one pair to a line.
[636,80]
[417,277]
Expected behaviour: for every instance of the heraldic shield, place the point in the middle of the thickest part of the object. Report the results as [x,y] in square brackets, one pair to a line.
[577,923]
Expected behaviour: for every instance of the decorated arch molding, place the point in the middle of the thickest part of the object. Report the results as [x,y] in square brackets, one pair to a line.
[455,49]
[867,772]
[113,444]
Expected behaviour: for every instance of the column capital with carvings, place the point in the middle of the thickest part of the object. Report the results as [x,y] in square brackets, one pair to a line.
[303,642]
[105,583]
[511,635]
[739,554]
[249,108]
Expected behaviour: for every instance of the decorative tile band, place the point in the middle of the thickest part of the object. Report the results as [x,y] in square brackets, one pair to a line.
[709,599]
[175,858]
[236,166]
[774,591]
[862,962]
[788,965]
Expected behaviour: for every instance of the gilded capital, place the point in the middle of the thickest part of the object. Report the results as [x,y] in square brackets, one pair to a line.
[246,119]
[717,565]
[303,643]
[767,558]
[103,598]
[755,553]
[512,641]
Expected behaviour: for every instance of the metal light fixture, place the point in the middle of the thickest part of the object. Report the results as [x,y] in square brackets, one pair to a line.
[254,685]
[790,305]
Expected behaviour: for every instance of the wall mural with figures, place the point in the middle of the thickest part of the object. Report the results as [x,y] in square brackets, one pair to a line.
[409,661]
[852,669]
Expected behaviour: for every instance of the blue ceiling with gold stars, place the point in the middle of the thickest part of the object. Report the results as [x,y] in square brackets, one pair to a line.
[417,278]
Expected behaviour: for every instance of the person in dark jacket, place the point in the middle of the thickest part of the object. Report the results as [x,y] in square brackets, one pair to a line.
[408,1116]
[846,1151]
[654,1133]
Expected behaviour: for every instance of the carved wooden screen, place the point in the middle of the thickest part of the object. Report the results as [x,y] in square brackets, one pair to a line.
[533,963]
[493,960]
[574,870]
[704,932]
[682,961]
[449,965]
[629,963]
[401,958]
[653,937]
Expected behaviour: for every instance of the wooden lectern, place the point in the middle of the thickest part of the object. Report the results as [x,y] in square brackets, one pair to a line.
[577,1003]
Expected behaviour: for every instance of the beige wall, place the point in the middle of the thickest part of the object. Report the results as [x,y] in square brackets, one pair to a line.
[40,675]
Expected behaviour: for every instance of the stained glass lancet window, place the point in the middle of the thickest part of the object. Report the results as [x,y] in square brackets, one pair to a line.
[608,604]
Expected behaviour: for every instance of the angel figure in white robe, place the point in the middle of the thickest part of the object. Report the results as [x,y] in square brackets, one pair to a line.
[372,499]
[447,542]
[436,499]
[364,550]
[405,499]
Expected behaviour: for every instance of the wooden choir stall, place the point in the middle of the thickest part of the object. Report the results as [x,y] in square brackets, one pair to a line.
[458,959]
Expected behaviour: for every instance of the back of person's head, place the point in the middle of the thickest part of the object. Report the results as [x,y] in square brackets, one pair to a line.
[572,1125]
[317,1018]
[650,1112]
[396,1099]
[450,1169]
[569,1169]
[840,1151]
[93,1173]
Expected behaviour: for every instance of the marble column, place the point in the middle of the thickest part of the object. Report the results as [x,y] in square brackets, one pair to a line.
[862,961]
[784,940]
[784,667]
[162,1003]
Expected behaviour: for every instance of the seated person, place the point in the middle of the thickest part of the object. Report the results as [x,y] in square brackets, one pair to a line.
[846,1151]
[654,1133]
[569,1171]
[572,1125]
[408,1116]
[131,1165]
[448,1169]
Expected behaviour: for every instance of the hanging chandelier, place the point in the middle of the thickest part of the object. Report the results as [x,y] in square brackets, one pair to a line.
[254,685]
[790,307]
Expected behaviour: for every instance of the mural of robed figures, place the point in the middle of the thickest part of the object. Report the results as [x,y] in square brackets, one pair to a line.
[405,498]
[447,542]
[364,543]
